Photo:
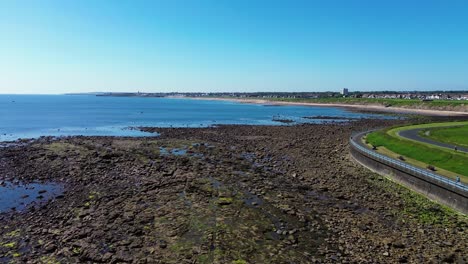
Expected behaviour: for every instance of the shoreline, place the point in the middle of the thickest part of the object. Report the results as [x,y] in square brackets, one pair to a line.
[377,108]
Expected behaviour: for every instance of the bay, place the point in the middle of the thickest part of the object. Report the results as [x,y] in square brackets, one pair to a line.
[32,116]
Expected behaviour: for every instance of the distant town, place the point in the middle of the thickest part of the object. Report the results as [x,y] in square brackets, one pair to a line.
[413,95]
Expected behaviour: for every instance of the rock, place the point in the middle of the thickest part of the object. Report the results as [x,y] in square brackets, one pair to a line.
[106,257]
[450,258]
[447,243]
[162,244]
[50,247]
[364,227]
[224,201]
[386,254]
[398,245]
[123,256]
[292,239]
[403,259]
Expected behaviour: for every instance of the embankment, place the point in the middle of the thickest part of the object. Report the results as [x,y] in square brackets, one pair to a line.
[429,184]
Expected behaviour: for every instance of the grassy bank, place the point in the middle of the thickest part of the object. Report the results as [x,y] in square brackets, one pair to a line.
[377,101]
[452,135]
[393,131]
[448,160]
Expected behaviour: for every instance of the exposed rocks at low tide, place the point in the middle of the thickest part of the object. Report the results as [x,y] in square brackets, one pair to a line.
[230,194]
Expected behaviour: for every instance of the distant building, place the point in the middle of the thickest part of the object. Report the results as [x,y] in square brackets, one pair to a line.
[344,91]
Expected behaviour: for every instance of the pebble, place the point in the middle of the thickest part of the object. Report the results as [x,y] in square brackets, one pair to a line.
[162,244]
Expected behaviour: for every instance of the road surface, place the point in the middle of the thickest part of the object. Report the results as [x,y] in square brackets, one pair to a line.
[413,134]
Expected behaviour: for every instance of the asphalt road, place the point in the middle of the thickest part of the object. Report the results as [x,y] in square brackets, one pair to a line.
[413,134]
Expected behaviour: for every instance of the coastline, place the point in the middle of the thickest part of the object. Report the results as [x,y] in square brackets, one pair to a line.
[377,108]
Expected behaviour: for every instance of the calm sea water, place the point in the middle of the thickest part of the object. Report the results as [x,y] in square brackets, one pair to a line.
[31,116]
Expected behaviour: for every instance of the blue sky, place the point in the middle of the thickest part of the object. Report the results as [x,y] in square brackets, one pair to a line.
[222,45]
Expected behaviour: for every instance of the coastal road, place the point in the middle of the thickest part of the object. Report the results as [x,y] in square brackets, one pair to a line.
[413,134]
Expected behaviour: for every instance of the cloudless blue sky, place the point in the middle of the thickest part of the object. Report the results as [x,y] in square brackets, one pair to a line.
[232,45]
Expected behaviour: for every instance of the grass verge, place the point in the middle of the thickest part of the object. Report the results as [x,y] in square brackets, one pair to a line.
[420,164]
[437,104]
[448,160]
[394,131]
[452,135]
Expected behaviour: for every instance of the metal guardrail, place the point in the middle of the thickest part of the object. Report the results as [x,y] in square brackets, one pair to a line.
[405,166]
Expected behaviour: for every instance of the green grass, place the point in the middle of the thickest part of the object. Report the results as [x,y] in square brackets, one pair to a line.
[379,101]
[420,164]
[428,125]
[394,132]
[452,135]
[448,160]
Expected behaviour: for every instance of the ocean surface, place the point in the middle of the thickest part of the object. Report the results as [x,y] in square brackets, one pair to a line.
[32,116]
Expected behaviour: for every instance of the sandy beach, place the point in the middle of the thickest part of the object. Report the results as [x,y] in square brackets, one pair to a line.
[376,108]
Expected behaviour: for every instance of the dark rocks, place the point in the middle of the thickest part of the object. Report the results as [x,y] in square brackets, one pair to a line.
[398,245]
[447,244]
[449,258]
[122,256]
[403,259]
[50,247]
[224,201]
[162,244]
[126,203]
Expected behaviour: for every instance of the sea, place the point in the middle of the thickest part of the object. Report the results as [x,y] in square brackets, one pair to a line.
[32,116]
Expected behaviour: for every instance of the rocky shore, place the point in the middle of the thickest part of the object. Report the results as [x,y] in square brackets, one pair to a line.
[228,194]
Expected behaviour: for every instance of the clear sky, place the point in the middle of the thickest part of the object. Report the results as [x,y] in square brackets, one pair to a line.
[232,45]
